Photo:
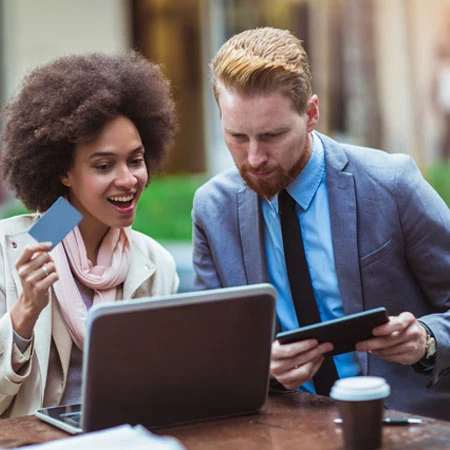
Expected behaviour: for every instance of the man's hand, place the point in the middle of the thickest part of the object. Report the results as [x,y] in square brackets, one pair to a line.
[296,363]
[403,339]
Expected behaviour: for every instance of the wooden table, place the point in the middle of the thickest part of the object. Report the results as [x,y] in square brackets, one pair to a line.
[289,421]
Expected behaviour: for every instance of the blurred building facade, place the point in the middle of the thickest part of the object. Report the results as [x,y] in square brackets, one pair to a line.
[381,68]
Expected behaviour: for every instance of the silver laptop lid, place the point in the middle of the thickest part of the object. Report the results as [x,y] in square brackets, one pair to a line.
[188,357]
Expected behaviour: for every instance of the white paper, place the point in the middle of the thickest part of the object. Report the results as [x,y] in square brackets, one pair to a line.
[122,437]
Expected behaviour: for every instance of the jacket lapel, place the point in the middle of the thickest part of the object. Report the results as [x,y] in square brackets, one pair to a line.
[251,234]
[141,268]
[343,217]
[61,336]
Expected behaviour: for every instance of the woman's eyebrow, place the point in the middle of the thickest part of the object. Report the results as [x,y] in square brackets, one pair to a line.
[107,153]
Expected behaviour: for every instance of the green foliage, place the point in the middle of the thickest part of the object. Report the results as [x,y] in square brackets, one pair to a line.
[438,175]
[12,208]
[164,210]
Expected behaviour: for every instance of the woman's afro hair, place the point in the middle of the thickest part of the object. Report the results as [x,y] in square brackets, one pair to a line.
[68,101]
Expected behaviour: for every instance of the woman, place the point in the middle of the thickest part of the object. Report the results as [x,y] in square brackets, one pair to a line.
[91,128]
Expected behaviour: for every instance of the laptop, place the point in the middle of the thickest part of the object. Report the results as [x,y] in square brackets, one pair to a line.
[171,360]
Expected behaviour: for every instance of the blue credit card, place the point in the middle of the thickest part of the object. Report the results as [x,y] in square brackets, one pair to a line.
[56,222]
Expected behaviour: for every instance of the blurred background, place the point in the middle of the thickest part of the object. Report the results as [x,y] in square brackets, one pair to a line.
[381,69]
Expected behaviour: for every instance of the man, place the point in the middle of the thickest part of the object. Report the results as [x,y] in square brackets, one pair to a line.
[375,233]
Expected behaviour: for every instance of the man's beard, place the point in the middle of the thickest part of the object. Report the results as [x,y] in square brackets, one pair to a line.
[279,178]
[267,188]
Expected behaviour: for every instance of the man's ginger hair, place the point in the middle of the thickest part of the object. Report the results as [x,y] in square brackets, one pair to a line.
[264,60]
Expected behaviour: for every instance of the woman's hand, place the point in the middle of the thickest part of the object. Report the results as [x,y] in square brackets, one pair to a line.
[403,339]
[37,273]
[294,364]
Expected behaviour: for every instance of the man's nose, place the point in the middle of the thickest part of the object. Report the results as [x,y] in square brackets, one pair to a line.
[256,154]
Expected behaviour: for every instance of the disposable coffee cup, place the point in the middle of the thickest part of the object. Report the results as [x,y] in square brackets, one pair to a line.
[360,402]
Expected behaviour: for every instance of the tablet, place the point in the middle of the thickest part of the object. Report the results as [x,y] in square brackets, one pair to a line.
[343,332]
[66,417]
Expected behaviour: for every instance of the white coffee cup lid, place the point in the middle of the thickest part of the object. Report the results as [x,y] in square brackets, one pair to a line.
[355,389]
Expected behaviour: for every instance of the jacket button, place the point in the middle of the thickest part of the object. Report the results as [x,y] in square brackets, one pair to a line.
[14,244]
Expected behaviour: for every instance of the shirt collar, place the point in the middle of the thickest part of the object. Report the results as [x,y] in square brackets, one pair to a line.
[304,187]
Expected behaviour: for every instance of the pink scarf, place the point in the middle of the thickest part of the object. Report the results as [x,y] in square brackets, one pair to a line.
[71,261]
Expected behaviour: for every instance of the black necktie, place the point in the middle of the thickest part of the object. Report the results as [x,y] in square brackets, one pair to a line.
[300,283]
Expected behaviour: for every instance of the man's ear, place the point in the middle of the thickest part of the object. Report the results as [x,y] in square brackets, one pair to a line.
[312,110]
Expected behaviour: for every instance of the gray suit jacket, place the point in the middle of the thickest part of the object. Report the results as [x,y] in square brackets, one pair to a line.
[391,241]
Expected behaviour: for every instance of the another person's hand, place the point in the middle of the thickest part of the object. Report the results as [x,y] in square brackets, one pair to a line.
[294,364]
[402,340]
[37,273]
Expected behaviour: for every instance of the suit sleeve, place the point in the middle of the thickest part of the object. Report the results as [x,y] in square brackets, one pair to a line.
[425,220]
[206,274]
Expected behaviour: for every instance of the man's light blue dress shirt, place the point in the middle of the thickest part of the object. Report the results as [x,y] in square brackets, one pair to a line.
[309,190]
